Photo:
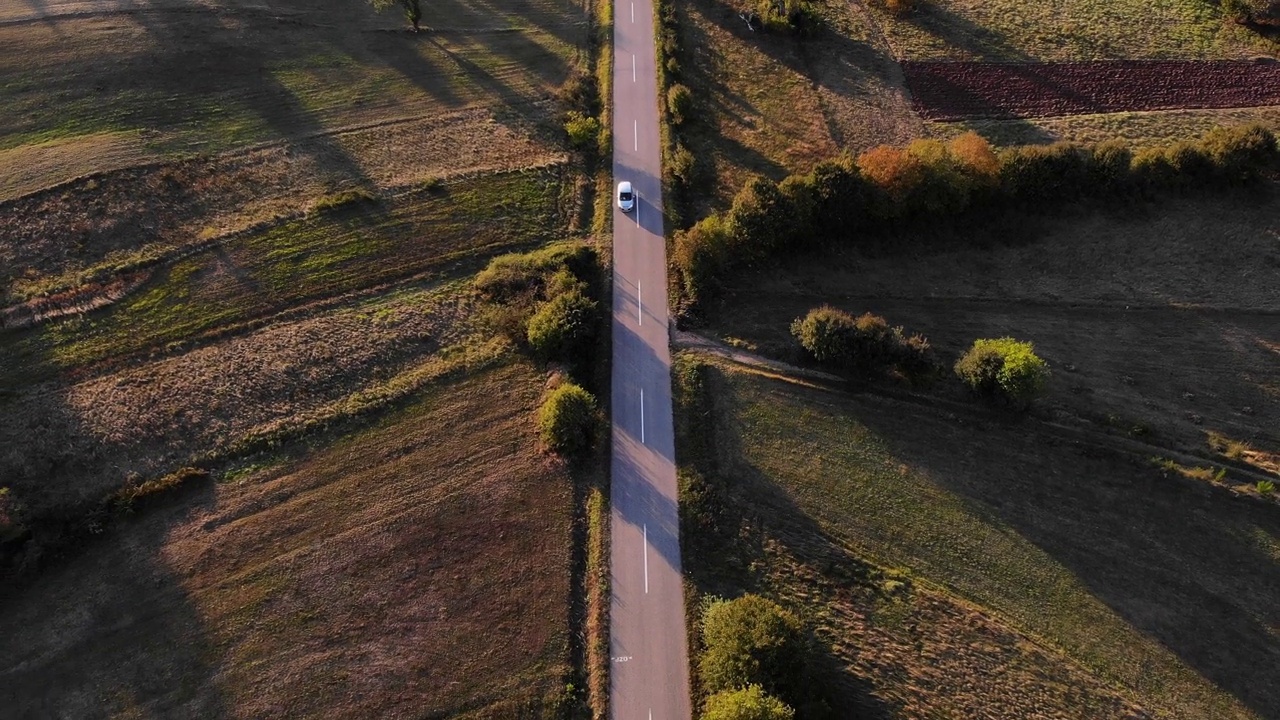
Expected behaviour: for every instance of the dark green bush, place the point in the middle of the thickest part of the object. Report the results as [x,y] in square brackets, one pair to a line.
[702,254]
[567,419]
[1038,174]
[762,220]
[345,200]
[748,703]
[1003,369]
[564,328]
[839,200]
[861,344]
[752,641]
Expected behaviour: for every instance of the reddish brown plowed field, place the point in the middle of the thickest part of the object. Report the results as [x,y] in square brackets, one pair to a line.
[956,90]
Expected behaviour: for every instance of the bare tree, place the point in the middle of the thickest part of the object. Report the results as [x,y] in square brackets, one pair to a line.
[412,9]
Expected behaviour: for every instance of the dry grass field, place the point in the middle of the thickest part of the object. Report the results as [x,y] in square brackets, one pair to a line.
[240,238]
[1052,569]
[417,567]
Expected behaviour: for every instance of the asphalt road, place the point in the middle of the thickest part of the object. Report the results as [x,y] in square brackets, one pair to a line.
[649,673]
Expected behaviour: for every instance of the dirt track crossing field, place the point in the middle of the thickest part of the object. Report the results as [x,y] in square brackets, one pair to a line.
[957,90]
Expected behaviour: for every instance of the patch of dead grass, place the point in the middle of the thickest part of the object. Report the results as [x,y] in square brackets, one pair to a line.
[418,567]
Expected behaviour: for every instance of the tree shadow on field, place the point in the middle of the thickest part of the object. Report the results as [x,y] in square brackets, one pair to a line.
[111,633]
[729,513]
[1177,561]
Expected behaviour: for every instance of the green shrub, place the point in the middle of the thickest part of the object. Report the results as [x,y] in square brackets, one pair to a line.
[1240,154]
[861,344]
[748,703]
[751,641]
[702,254]
[679,103]
[564,328]
[762,220]
[583,130]
[344,200]
[1265,487]
[1037,174]
[1004,369]
[839,199]
[797,193]
[567,419]
[515,275]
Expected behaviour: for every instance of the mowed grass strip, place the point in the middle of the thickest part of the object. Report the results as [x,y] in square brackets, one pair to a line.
[420,567]
[1155,587]
[1014,30]
[321,256]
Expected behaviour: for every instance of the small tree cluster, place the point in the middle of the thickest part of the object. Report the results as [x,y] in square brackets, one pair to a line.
[567,419]
[930,182]
[752,642]
[861,344]
[547,300]
[1003,369]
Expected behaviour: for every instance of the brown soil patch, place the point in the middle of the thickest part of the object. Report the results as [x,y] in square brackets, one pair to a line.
[29,168]
[956,90]
[420,568]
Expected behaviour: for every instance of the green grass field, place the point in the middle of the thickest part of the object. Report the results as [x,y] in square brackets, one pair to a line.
[1112,565]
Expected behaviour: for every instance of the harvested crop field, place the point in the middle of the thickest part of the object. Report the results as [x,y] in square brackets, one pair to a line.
[417,568]
[957,90]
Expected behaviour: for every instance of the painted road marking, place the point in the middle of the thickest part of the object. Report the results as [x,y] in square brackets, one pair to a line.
[635,127]
[633,12]
[633,67]
[641,416]
[646,562]
[621,658]
[639,305]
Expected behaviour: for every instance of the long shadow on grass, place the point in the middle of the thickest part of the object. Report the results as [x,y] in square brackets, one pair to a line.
[729,511]
[110,634]
[1179,564]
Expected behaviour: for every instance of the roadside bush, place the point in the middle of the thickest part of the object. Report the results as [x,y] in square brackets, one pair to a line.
[797,194]
[516,275]
[748,703]
[702,254]
[1003,369]
[679,103]
[583,130]
[564,327]
[567,419]
[751,641]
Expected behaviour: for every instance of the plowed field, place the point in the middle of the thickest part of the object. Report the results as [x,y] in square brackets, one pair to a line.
[957,90]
